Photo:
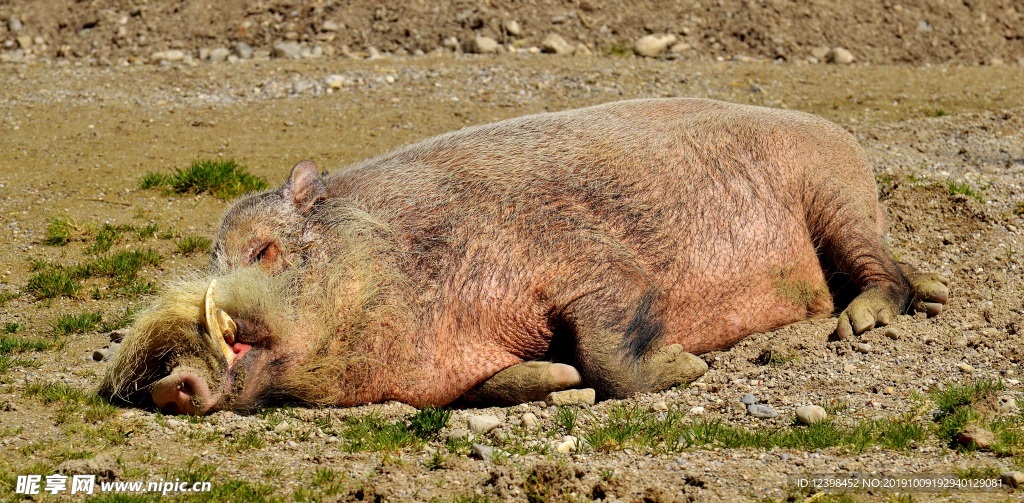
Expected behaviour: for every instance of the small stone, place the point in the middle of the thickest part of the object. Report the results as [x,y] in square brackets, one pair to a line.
[512,28]
[334,81]
[810,414]
[483,424]
[529,420]
[244,50]
[652,46]
[977,437]
[14,24]
[696,410]
[484,452]
[1012,479]
[819,53]
[680,47]
[889,390]
[761,411]
[204,53]
[965,368]
[748,399]
[568,444]
[219,55]
[24,41]
[457,433]
[329,26]
[171,55]
[100,354]
[481,45]
[282,427]
[892,333]
[849,369]
[287,50]
[173,423]
[862,347]
[1008,405]
[996,62]
[555,44]
[659,406]
[585,396]
[839,56]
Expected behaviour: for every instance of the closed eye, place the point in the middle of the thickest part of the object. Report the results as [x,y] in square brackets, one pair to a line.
[267,255]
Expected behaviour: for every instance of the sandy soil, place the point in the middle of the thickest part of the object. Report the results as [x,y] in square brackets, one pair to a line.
[76,139]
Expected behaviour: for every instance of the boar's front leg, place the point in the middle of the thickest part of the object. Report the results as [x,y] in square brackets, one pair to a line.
[525,382]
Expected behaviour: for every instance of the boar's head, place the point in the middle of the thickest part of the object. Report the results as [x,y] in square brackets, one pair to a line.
[205,345]
[266,229]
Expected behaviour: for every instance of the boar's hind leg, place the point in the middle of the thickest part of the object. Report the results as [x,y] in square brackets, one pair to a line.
[618,353]
[525,382]
[930,290]
[842,221]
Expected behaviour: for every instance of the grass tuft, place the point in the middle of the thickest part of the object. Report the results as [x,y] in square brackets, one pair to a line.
[13,345]
[428,422]
[375,434]
[965,189]
[12,327]
[224,178]
[77,323]
[53,282]
[189,244]
[59,230]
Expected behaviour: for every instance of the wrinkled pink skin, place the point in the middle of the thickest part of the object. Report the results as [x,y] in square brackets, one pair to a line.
[619,229]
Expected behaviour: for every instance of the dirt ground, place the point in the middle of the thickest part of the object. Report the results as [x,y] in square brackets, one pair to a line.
[78,130]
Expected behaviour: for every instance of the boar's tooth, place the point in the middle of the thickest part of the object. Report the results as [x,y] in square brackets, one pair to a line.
[227,326]
[213,326]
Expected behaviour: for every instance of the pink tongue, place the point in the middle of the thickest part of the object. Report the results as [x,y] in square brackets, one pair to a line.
[240,349]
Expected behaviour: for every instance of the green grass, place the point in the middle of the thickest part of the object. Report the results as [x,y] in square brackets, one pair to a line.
[53,282]
[12,327]
[965,189]
[374,434]
[12,345]
[66,324]
[60,231]
[632,427]
[189,244]
[566,418]
[225,179]
[73,403]
[252,439]
[955,396]
[106,236]
[937,112]
[1018,209]
[147,231]
[429,421]
[6,296]
[153,180]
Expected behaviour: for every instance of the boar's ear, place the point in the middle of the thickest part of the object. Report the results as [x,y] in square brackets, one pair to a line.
[304,187]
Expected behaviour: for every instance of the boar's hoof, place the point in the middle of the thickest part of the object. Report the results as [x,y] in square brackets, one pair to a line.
[525,382]
[931,291]
[870,309]
[182,392]
[671,366]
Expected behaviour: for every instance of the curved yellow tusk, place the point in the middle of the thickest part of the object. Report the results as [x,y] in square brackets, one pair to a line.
[214,323]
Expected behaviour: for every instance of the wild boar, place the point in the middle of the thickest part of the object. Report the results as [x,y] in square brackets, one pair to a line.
[620,239]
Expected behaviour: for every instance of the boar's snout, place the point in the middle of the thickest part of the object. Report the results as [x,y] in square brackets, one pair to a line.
[182,392]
